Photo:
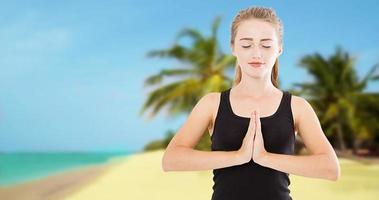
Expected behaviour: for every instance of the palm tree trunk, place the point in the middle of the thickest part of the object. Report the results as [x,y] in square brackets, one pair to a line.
[356,144]
[340,139]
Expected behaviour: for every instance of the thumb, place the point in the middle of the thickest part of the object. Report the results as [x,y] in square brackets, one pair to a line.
[251,128]
[253,121]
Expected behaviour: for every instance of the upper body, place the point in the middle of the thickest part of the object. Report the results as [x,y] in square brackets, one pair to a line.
[306,123]
[256,88]
[308,129]
[255,84]
[252,179]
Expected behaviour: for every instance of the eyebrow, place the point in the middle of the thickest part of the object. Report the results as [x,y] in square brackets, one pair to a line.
[251,39]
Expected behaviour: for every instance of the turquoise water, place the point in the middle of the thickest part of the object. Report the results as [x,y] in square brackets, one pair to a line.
[20,167]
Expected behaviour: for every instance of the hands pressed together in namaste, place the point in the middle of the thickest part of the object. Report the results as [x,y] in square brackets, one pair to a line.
[252,145]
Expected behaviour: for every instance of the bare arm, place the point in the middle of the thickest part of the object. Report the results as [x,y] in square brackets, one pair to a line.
[180,154]
[188,159]
[322,163]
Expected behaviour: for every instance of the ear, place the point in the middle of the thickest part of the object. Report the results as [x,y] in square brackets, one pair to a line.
[280,50]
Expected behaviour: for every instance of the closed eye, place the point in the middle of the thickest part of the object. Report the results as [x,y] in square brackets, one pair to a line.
[250,46]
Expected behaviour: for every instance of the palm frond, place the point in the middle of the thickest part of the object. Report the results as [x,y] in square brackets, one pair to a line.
[157,78]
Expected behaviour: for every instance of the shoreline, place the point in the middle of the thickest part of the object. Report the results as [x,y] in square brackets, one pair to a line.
[140,176]
[56,186]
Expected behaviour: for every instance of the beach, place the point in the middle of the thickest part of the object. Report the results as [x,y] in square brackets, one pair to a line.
[56,186]
[140,176]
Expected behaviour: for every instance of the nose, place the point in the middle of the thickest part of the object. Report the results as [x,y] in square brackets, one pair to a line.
[255,53]
[256,57]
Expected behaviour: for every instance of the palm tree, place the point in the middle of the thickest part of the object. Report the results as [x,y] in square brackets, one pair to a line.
[204,67]
[336,93]
[204,71]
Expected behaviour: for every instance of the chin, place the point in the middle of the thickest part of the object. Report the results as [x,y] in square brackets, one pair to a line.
[256,73]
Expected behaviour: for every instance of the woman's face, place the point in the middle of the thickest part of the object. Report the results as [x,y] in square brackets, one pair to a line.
[256,42]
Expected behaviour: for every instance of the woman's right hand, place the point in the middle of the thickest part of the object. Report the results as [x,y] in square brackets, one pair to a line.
[246,150]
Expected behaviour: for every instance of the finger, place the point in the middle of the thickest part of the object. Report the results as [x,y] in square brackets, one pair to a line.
[254,128]
[255,124]
[252,124]
[258,121]
[249,134]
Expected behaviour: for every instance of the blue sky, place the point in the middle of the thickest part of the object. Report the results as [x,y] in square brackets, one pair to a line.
[72,72]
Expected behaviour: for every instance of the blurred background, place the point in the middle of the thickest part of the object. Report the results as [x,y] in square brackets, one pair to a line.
[91,92]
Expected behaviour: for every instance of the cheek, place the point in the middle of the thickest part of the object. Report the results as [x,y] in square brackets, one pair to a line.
[243,55]
[269,55]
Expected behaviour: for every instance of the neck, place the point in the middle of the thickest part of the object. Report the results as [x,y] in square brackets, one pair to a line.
[256,87]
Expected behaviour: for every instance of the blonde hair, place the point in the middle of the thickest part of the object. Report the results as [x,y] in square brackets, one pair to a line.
[267,15]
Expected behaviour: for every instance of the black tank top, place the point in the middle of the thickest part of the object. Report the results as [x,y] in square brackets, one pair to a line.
[251,180]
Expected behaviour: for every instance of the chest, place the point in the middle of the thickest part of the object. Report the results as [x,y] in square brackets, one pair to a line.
[278,134]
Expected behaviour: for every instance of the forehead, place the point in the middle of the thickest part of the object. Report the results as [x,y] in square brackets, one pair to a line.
[256,29]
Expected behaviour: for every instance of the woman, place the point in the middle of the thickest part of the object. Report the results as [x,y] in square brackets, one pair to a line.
[253,124]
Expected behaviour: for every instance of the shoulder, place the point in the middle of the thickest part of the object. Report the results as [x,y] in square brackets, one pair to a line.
[300,107]
[300,103]
[211,100]
[210,103]
[298,100]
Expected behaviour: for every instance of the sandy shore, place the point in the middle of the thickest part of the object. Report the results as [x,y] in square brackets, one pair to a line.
[140,176]
[54,187]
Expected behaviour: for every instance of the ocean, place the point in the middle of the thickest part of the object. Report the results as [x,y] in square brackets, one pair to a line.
[17,168]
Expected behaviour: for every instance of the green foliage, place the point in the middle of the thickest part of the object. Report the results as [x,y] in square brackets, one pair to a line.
[347,113]
[202,71]
[204,143]
[160,144]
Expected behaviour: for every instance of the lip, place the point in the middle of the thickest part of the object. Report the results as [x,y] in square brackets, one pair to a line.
[256,64]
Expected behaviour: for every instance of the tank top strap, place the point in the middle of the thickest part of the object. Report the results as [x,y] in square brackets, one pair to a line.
[223,110]
[286,100]
[224,100]
[287,110]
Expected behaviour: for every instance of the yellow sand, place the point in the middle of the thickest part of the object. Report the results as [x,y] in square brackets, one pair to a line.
[140,177]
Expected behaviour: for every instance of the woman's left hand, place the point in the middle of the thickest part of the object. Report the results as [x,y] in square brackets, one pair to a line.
[259,151]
